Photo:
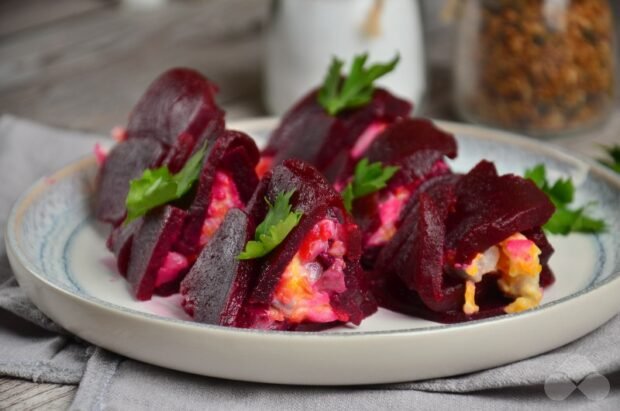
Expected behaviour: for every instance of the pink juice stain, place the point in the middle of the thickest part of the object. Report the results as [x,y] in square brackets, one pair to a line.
[264,165]
[365,140]
[109,263]
[389,212]
[168,307]
[224,196]
[119,134]
[170,269]
[100,154]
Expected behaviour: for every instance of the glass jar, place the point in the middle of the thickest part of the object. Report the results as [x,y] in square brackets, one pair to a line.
[541,67]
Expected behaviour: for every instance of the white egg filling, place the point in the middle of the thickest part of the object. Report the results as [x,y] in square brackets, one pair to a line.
[516,259]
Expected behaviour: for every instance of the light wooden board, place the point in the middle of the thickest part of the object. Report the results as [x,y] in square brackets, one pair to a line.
[20,15]
[26,395]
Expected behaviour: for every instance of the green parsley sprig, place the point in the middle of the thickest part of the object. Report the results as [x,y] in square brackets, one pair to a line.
[158,187]
[614,153]
[367,179]
[561,193]
[356,90]
[276,226]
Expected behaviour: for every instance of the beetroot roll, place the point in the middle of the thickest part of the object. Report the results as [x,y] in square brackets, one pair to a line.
[469,247]
[418,149]
[176,120]
[227,180]
[311,280]
[332,125]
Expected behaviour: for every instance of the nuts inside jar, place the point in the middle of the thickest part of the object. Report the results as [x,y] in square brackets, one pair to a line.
[538,66]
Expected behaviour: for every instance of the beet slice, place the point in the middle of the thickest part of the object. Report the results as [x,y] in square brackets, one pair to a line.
[318,201]
[120,241]
[234,153]
[448,221]
[126,161]
[392,294]
[150,247]
[409,136]
[490,208]
[179,111]
[217,286]
[425,259]
[307,132]
[393,257]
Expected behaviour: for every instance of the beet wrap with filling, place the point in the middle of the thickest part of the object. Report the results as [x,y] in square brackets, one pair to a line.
[470,246]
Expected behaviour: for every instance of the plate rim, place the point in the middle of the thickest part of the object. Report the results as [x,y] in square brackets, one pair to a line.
[478,132]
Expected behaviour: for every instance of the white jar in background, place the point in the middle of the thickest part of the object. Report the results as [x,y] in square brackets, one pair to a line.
[303,36]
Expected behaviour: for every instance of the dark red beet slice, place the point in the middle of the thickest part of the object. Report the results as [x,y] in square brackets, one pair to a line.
[217,286]
[308,133]
[125,162]
[317,200]
[178,110]
[409,136]
[420,261]
[490,208]
[392,294]
[393,257]
[120,241]
[151,244]
[235,153]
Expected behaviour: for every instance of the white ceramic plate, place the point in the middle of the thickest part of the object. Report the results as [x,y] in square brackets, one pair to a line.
[58,253]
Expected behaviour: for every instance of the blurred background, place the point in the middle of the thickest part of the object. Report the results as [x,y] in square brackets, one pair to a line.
[82,64]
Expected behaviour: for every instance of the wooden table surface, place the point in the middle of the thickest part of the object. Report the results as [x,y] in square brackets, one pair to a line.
[82,64]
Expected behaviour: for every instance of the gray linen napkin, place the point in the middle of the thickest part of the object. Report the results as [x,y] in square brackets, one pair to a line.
[33,347]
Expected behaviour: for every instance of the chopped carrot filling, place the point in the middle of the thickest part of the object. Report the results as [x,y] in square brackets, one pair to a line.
[315,272]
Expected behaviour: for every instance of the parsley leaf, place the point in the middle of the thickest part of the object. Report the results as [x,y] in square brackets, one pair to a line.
[348,197]
[564,220]
[614,153]
[158,186]
[276,226]
[367,179]
[537,175]
[356,90]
